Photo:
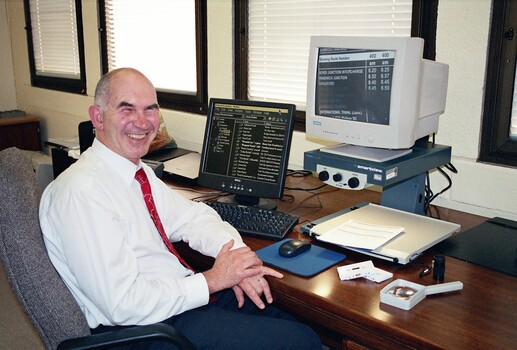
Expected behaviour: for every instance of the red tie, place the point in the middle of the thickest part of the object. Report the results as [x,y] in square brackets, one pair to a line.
[141,177]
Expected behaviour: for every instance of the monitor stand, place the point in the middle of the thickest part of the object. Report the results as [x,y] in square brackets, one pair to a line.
[262,203]
[378,155]
[403,179]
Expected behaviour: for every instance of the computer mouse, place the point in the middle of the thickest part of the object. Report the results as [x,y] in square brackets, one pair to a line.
[293,247]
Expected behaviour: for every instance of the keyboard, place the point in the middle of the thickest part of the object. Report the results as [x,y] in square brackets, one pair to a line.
[253,221]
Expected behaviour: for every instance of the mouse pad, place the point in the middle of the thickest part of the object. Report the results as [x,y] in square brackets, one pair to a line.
[306,264]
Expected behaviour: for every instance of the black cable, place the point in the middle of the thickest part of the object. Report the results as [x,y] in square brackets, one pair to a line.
[305,189]
[287,198]
[318,206]
[210,197]
[301,173]
[451,168]
[429,195]
[298,173]
[449,185]
[305,173]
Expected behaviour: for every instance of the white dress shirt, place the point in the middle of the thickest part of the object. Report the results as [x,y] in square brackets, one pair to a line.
[102,241]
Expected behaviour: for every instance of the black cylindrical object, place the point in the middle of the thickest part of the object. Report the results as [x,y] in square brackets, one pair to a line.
[439,267]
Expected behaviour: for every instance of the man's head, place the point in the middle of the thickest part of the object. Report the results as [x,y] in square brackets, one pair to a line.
[125,113]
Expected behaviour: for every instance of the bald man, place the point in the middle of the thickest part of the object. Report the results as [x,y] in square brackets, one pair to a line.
[113,251]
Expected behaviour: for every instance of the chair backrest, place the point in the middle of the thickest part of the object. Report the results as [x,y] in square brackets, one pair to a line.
[86,135]
[34,280]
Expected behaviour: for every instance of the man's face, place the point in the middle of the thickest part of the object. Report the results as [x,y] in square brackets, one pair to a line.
[130,121]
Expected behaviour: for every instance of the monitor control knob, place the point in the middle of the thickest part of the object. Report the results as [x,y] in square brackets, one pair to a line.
[337,177]
[323,175]
[353,182]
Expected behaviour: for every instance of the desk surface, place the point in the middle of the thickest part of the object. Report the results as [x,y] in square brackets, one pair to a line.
[482,316]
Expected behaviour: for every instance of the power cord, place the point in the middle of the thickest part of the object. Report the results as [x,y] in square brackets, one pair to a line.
[430,196]
[311,191]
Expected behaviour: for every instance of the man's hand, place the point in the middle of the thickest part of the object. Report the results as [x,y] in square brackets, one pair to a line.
[255,287]
[231,267]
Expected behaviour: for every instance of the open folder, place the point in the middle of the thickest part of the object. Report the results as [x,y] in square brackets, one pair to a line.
[419,232]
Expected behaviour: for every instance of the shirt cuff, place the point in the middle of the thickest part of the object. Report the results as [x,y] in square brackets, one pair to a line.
[198,291]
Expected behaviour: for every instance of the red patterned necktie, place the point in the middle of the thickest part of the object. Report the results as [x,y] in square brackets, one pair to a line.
[141,177]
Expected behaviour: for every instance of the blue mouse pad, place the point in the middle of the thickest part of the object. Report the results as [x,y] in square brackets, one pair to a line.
[306,264]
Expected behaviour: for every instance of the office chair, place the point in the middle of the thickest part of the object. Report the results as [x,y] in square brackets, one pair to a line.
[37,285]
[86,133]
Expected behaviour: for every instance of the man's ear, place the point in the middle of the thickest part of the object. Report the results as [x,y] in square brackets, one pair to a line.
[96,117]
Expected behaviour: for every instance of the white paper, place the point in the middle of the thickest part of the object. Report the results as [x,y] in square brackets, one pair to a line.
[359,234]
[74,153]
[186,165]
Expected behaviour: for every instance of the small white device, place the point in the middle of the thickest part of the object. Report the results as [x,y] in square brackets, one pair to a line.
[364,269]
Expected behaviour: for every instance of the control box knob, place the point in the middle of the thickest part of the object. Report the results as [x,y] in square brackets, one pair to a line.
[323,175]
[337,177]
[353,182]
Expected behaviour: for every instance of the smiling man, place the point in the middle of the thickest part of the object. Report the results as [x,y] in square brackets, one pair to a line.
[125,113]
[113,250]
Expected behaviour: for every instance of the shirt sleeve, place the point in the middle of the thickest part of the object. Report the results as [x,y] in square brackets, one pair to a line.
[195,223]
[88,243]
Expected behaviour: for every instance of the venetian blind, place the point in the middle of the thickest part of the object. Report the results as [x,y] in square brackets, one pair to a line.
[54,36]
[157,37]
[280,31]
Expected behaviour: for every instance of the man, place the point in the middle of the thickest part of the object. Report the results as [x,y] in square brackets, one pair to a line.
[103,242]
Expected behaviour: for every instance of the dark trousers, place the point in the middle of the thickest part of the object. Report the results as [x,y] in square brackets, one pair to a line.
[222,325]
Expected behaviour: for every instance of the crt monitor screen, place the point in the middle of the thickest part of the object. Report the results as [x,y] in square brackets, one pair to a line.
[246,148]
[373,91]
[355,84]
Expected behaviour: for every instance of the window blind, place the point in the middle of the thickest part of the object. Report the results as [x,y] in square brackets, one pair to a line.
[279,35]
[54,36]
[157,37]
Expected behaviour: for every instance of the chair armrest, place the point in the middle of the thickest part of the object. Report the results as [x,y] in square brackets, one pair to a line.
[158,331]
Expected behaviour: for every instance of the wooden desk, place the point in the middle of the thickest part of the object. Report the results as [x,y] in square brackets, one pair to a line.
[348,314]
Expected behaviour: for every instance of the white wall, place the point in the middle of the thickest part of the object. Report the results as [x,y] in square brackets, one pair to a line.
[462,40]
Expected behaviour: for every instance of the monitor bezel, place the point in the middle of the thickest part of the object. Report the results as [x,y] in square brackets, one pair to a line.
[406,84]
[261,189]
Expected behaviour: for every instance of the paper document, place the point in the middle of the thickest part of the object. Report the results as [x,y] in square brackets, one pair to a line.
[186,165]
[362,235]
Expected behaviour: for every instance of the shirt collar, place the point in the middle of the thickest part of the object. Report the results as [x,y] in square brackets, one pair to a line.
[120,165]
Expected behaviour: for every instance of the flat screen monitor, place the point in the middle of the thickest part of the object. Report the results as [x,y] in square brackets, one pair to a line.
[373,91]
[246,149]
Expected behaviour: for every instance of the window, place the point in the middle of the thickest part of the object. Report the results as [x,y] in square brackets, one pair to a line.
[272,39]
[55,39]
[499,129]
[165,40]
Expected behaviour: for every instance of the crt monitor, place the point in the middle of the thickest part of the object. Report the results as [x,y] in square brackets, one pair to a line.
[246,149]
[373,91]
